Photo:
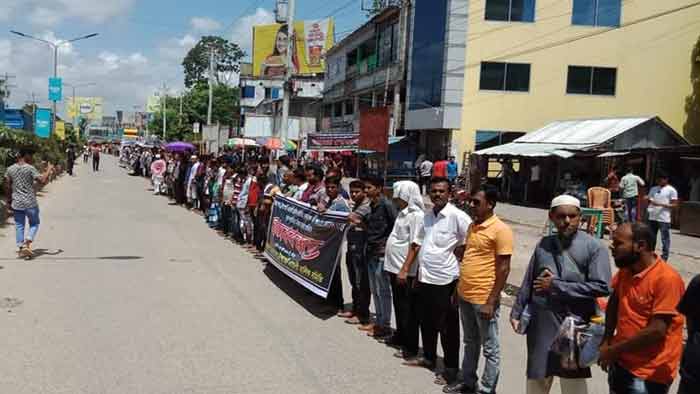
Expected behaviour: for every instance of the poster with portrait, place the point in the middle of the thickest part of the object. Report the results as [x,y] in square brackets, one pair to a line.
[270,45]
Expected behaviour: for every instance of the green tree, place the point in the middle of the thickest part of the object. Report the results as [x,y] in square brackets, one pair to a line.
[691,129]
[227,56]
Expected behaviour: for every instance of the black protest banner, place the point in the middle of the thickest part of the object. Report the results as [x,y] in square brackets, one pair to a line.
[304,244]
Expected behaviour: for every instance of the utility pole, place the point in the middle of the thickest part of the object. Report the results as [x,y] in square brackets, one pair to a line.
[180,119]
[164,98]
[211,85]
[288,76]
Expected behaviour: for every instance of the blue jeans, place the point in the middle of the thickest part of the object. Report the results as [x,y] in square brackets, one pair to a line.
[665,237]
[380,286]
[21,216]
[631,205]
[622,381]
[480,333]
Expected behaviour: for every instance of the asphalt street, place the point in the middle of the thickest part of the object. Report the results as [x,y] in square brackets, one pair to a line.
[131,295]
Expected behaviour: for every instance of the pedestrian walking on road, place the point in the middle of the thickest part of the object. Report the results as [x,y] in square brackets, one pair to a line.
[441,248]
[690,364]
[379,225]
[483,275]
[96,158]
[630,184]
[401,264]
[22,180]
[426,171]
[662,199]
[70,160]
[643,340]
[566,273]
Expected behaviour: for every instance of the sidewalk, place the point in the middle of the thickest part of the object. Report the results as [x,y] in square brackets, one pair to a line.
[682,245]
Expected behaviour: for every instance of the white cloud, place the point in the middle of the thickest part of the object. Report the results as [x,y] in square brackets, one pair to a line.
[243,31]
[204,24]
[49,13]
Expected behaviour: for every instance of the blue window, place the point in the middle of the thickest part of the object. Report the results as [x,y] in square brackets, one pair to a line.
[510,10]
[248,92]
[597,13]
[428,54]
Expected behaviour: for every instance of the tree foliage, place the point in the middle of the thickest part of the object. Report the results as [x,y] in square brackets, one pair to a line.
[227,56]
[691,129]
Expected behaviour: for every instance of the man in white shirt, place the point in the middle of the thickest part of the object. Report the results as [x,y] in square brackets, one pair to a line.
[426,171]
[401,264]
[441,243]
[629,184]
[662,199]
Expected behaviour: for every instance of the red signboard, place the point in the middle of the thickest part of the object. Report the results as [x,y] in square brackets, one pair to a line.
[374,129]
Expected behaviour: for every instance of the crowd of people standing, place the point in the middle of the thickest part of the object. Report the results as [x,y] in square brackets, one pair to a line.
[443,268]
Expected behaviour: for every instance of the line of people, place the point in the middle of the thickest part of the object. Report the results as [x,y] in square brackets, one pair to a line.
[445,267]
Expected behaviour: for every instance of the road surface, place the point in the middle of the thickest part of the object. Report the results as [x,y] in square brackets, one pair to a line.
[131,295]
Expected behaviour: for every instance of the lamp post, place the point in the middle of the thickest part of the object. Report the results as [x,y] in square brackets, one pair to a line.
[75,109]
[55,46]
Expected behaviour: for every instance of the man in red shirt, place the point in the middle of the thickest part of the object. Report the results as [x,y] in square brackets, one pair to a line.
[440,168]
[644,331]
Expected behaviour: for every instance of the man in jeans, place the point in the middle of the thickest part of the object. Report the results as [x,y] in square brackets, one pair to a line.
[441,244]
[483,274]
[643,329]
[630,191]
[662,199]
[379,225]
[21,181]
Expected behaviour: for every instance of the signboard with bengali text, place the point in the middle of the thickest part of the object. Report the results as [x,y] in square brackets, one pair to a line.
[304,244]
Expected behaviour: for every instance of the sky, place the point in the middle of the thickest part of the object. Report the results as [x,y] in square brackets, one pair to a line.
[140,46]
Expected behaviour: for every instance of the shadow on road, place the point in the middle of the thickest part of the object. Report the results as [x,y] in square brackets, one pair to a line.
[313,304]
[38,253]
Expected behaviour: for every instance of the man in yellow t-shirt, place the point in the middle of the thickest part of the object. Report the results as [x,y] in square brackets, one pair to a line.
[483,274]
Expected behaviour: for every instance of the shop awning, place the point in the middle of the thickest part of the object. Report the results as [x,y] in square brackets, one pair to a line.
[565,138]
[613,154]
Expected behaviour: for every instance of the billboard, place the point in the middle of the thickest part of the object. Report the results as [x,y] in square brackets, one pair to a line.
[270,43]
[153,104]
[89,108]
[61,130]
[42,122]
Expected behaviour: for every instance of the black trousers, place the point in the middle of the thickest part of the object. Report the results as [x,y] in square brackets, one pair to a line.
[405,299]
[95,164]
[226,216]
[439,316]
[361,295]
[335,293]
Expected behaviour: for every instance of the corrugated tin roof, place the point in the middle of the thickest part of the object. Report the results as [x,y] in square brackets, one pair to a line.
[588,131]
[532,150]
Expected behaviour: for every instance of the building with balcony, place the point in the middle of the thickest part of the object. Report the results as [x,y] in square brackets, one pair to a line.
[529,63]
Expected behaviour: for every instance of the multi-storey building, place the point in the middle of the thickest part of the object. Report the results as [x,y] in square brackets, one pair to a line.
[531,62]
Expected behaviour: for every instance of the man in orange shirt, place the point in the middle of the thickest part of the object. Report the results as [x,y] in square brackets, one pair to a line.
[644,331]
[483,274]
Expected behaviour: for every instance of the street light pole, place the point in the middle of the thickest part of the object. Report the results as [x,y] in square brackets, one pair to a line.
[55,46]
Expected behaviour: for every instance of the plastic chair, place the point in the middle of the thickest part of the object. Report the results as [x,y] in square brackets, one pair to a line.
[601,198]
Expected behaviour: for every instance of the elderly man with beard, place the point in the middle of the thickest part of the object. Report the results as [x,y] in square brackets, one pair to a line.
[643,329]
[566,274]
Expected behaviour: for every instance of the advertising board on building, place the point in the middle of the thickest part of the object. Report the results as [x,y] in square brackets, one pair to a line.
[270,44]
[332,142]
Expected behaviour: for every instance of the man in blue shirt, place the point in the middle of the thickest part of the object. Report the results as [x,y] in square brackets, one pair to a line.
[452,170]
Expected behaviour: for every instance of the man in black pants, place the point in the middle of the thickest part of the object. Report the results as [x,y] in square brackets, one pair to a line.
[96,158]
[356,257]
[441,244]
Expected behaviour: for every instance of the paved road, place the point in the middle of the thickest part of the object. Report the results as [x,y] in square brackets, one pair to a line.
[134,296]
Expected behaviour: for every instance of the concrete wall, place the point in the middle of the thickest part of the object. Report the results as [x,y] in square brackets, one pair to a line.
[652,60]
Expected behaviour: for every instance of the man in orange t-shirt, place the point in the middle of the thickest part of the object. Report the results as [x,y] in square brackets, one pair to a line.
[644,331]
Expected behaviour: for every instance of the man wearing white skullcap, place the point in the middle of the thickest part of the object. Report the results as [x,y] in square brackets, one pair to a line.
[567,272]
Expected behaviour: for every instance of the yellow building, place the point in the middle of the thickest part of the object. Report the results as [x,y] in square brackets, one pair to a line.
[628,60]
